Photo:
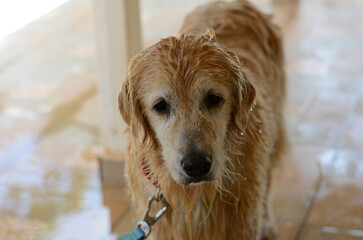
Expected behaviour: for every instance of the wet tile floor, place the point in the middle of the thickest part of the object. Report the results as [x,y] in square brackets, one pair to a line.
[49,175]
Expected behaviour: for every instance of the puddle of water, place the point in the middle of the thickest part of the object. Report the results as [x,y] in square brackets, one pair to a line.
[63,199]
[61,115]
[17,150]
[91,223]
[353,232]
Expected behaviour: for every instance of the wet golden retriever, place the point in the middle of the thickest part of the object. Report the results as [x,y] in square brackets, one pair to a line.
[205,117]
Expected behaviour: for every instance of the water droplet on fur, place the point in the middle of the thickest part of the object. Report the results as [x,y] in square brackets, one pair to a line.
[251,109]
[260,131]
[242,134]
[258,121]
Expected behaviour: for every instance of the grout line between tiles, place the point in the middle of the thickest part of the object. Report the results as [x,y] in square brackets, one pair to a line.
[336,148]
[308,99]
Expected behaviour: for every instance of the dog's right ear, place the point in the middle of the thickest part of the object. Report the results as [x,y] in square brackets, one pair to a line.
[131,110]
[124,102]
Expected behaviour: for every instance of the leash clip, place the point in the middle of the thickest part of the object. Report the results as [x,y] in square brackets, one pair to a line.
[143,227]
[158,198]
[148,220]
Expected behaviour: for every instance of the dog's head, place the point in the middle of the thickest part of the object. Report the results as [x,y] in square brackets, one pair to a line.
[184,96]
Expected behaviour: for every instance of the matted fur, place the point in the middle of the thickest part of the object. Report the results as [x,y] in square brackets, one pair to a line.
[234,48]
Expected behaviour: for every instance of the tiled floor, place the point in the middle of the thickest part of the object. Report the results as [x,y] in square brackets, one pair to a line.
[49,175]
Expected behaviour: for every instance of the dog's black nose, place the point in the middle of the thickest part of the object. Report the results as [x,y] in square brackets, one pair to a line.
[196,164]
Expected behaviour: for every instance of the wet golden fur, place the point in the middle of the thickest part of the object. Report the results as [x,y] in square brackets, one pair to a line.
[240,56]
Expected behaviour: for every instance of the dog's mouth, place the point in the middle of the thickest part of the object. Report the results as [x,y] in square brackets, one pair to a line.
[191,180]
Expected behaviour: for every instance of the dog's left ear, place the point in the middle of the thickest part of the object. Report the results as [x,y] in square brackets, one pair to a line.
[248,93]
[245,93]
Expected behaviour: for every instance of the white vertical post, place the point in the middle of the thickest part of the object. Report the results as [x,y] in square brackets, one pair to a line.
[118,39]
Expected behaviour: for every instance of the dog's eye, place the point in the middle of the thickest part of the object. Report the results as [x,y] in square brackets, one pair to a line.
[213,100]
[161,107]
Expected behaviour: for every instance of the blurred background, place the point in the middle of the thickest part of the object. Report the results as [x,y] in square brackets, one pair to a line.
[62,64]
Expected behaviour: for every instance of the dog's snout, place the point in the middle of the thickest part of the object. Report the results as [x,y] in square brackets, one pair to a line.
[196,164]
